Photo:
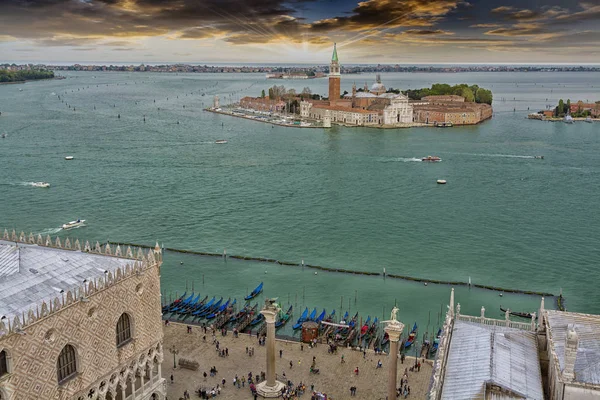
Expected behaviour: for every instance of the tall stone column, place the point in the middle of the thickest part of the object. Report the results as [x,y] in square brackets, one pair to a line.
[394,329]
[270,388]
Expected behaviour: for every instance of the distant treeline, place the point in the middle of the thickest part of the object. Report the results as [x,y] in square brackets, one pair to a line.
[471,93]
[24,75]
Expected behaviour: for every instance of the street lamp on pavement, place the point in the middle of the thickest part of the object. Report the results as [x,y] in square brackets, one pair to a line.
[416,344]
[173,349]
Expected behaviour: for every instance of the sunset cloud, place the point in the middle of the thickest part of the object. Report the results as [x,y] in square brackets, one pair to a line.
[247,29]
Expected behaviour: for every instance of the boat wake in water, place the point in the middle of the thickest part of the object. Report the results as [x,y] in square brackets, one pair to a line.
[49,231]
[401,159]
[494,155]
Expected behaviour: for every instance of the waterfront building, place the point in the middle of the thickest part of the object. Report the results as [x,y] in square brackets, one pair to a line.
[368,108]
[443,99]
[79,322]
[454,111]
[592,108]
[262,104]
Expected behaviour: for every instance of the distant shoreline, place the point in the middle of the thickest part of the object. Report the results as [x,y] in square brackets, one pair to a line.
[32,80]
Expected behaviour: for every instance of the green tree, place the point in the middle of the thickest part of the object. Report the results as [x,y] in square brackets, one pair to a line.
[467,93]
[484,96]
[568,110]
[561,107]
[271,94]
[262,94]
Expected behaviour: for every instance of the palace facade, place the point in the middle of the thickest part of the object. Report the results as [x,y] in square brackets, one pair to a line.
[79,322]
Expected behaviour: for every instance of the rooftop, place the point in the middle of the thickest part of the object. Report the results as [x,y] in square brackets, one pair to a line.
[587,362]
[481,356]
[31,274]
[346,109]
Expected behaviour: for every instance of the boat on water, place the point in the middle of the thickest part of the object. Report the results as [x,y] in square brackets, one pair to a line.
[74,224]
[539,157]
[312,315]
[255,292]
[301,320]
[69,157]
[441,181]
[589,119]
[411,337]
[431,159]
[284,318]
[436,342]
[40,184]
[568,119]
[517,314]
[3,135]
[221,141]
[321,316]
[443,124]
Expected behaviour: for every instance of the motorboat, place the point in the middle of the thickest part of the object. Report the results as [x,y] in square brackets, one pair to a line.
[74,224]
[69,157]
[221,141]
[442,124]
[431,159]
[3,135]
[441,181]
[568,119]
[539,157]
[40,184]
[589,119]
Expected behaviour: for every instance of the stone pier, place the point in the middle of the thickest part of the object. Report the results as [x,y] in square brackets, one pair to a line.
[394,329]
[270,388]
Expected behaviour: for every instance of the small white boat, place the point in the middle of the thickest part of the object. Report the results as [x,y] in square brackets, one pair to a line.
[40,184]
[441,181]
[69,157]
[74,224]
[221,141]
[589,119]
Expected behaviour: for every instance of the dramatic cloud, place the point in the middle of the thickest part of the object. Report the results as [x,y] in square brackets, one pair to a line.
[299,30]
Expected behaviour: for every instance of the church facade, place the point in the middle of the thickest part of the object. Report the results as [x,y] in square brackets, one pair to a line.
[78,321]
[372,107]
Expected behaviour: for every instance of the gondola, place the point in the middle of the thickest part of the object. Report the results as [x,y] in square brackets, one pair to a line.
[284,318]
[259,318]
[312,315]
[173,304]
[436,342]
[255,292]
[517,314]
[411,337]
[221,309]
[302,318]
[321,316]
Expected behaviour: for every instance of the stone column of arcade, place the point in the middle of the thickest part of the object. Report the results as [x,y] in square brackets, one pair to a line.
[394,329]
[270,388]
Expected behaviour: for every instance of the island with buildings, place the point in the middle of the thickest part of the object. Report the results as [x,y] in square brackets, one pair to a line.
[373,106]
[569,112]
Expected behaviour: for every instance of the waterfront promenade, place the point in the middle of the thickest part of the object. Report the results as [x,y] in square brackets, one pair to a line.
[335,378]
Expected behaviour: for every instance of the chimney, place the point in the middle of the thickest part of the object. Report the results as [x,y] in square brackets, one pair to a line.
[571,344]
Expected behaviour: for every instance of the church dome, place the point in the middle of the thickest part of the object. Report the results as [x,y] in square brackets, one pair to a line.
[377,86]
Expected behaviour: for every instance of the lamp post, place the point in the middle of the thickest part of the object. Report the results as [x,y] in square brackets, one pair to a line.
[173,349]
[416,350]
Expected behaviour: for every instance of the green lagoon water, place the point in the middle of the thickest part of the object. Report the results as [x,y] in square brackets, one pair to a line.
[352,198]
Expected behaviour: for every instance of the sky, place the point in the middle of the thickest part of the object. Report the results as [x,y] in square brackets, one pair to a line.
[300,31]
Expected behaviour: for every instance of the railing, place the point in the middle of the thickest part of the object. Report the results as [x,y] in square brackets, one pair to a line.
[526,326]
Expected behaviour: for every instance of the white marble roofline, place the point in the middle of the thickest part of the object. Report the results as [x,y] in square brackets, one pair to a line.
[26,313]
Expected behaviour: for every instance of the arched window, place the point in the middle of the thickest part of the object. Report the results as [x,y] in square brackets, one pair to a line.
[123,330]
[3,364]
[66,364]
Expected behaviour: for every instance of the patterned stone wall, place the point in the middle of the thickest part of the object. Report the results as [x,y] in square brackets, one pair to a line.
[90,326]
